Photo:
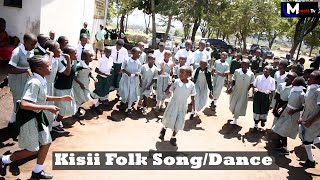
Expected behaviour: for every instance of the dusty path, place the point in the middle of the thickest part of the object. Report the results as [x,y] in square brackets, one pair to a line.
[208,133]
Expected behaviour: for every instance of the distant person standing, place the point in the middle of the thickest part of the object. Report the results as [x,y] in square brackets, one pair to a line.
[83,46]
[159,54]
[114,37]
[85,30]
[52,35]
[186,52]
[100,35]
[143,55]
[119,54]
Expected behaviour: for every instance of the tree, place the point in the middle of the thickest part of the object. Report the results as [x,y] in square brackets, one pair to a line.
[303,27]
[312,40]
[111,12]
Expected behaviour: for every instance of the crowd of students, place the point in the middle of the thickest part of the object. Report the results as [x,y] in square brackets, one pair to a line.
[49,81]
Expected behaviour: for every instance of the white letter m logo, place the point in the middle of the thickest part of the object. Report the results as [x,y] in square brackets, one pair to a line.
[294,10]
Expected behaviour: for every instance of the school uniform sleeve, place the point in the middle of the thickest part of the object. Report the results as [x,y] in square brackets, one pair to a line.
[252,78]
[273,85]
[32,91]
[193,91]
[155,74]
[14,58]
[61,67]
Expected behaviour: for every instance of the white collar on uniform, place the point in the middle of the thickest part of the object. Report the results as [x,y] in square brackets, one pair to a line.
[148,68]
[43,50]
[84,65]
[285,86]
[247,73]
[131,60]
[283,76]
[188,84]
[23,48]
[313,86]
[297,89]
[41,79]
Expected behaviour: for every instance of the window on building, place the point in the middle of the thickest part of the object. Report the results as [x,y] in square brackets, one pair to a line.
[13,3]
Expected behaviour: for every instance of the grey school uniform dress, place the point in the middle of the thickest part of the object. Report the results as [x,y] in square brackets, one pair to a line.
[218,81]
[63,87]
[30,137]
[19,59]
[202,90]
[176,71]
[284,92]
[279,79]
[129,85]
[162,81]
[198,56]
[286,125]
[174,116]
[239,95]
[147,76]
[82,95]
[50,87]
[311,108]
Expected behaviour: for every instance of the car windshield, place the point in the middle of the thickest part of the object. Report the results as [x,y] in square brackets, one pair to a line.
[161,35]
[265,48]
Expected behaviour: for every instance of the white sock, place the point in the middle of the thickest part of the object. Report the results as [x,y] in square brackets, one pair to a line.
[215,102]
[38,168]
[97,104]
[161,103]
[164,127]
[6,159]
[60,123]
[309,152]
[316,140]
[235,120]
[55,123]
[173,136]
[13,117]
[286,148]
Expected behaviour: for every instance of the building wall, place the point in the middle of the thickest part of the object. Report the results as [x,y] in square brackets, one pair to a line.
[22,20]
[66,18]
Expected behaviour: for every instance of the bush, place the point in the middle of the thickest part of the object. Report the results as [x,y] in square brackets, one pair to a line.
[135,38]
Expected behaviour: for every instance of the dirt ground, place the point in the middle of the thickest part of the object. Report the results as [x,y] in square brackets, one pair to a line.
[113,131]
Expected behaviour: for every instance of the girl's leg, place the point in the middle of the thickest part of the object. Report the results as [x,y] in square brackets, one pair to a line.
[18,155]
[310,162]
[38,168]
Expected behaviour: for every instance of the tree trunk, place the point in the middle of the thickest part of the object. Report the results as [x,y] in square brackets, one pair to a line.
[154,43]
[244,45]
[165,37]
[127,18]
[311,48]
[122,22]
[196,25]
[294,48]
[271,41]
[218,33]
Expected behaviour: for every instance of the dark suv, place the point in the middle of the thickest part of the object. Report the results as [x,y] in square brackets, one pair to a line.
[219,42]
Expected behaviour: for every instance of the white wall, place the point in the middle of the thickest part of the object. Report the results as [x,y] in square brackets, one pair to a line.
[22,20]
[66,18]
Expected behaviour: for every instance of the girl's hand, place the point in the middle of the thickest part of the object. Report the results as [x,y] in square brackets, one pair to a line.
[29,72]
[66,98]
[66,56]
[50,53]
[167,92]
[53,109]
[299,121]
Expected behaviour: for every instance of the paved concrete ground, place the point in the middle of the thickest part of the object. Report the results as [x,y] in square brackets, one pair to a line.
[211,132]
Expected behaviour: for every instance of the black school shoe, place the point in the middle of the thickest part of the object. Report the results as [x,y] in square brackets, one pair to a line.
[4,83]
[173,141]
[3,167]
[129,112]
[162,133]
[308,164]
[255,129]
[41,175]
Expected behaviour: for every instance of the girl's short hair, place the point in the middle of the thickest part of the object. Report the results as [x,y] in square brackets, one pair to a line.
[300,81]
[35,62]
[50,44]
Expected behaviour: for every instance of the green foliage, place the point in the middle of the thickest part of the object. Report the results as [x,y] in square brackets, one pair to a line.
[312,39]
